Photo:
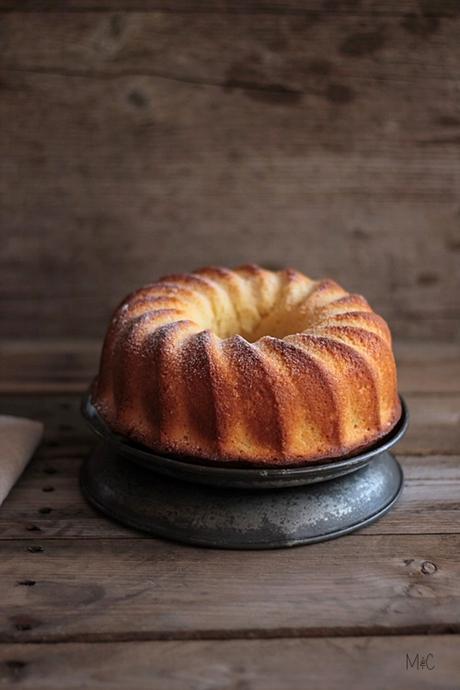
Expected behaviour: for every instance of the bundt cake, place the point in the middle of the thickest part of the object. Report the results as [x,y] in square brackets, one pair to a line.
[248,365]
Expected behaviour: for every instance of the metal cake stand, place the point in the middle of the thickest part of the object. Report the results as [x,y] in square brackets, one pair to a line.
[236,507]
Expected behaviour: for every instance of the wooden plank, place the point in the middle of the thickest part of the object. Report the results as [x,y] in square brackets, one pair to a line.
[439,8]
[37,366]
[430,501]
[428,367]
[64,424]
[149,589]
[46,502]
[434,427]
[327,142]
[68,366]
[323,664]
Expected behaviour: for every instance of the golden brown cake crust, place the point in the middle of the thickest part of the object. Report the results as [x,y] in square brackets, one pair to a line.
[248,365]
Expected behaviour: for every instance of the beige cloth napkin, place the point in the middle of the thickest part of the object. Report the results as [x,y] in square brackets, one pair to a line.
[18,440]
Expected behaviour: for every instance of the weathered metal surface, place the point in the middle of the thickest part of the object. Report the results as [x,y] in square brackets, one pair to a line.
[232,518]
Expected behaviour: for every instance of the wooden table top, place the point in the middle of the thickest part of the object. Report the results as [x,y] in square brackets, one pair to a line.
[90,604]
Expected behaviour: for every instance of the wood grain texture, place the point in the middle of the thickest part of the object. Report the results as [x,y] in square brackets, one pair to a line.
[137,143]
[324,664]
[365,8]
[150,589]
[428,366]
[50,366]
[47,504]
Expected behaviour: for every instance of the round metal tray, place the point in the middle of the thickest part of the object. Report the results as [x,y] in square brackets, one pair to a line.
[233,519]
[191,470]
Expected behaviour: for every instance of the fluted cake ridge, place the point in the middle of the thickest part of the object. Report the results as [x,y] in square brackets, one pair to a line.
[248,365]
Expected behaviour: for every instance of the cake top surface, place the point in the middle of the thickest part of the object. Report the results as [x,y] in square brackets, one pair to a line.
[248,365]
[250,302]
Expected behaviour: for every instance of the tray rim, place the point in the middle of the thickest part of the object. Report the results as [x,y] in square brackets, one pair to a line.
[194,471]
[172,535]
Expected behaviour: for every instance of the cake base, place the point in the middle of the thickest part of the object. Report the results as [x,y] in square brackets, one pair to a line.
[234,518]
[230,475]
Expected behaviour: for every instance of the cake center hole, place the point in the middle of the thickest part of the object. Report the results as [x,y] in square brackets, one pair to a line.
[277,323]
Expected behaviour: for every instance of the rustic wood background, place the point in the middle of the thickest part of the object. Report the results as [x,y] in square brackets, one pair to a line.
[139,138]
[146,136]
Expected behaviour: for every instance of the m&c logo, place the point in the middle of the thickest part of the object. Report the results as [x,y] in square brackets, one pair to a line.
[420,662]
